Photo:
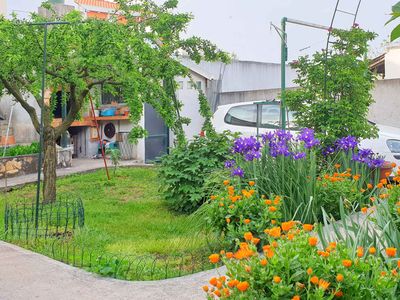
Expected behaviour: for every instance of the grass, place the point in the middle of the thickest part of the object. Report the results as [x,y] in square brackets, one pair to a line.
[125,216]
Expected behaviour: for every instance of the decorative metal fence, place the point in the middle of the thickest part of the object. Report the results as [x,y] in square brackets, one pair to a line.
[120,266]
[56,219]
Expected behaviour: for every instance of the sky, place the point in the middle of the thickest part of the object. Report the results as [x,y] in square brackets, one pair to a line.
[243,27]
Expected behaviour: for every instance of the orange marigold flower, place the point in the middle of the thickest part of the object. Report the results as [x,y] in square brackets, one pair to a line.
[242,286]
[372,250]
[247,221]
[314,280]
[356,177]
[214,258]
[309,271]
[277,279]
[323,253]
[221,204]
[272,209]
[226,182]
[313,241]
[229,255]
[372,199]
[252,192]
[370,186]
[337,166]
[274,244]
[347,263]
[263,262]
[213,197]
[273,232]
[255,241]
[394,272]
[268,202]
[393,165]
[339,294]
[217,293]
[308,227]
[205,288]
[379,185]
[384,181]
[323,284]
[213,281]
[398,264]
[273,222]
[277,200]
[391,252]
[228,220]
[339,277]
[383,273]
[226,291]
[233,283]
[286,226]
[296,297]
[219,284]
[248,236]
[360,252]
[251,183]
[290,236]
[364,210]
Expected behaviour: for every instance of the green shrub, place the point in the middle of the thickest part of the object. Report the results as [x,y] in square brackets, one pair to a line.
[182,173]
[21,150]
[238,210]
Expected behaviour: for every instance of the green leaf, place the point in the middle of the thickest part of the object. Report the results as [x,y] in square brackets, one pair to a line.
[395,33]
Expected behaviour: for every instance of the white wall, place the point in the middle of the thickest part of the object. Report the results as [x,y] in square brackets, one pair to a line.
[189,97]
[392,62]
[3,7]
[24,132]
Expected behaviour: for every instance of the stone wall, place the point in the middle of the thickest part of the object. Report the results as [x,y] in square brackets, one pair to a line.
[28,164]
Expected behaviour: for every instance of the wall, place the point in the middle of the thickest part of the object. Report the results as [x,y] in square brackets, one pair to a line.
[28,164]
[3,7]
[24,131]
[189,97]
[386,109]
[392,62]
[249,96]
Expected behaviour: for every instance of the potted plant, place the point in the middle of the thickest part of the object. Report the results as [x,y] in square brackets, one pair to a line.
[97,108]
[386,169]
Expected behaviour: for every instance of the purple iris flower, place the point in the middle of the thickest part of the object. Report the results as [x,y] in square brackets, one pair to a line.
[249,147]
[328,151]
[238,172]
[230,164]
[347,143]
[300,155]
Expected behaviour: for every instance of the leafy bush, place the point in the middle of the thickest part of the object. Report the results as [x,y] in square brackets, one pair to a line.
[236,211]
[294,267]
[182,173]
[21,150]
[115,157]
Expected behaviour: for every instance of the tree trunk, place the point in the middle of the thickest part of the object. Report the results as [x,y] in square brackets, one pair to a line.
[50,166]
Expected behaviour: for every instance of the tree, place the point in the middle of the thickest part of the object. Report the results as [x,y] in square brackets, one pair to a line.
[334,94]
[395,15]
[135,52]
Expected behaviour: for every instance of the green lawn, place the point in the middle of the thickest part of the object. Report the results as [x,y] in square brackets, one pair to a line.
[125,216]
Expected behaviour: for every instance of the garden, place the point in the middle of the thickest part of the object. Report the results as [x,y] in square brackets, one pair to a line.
[308,214]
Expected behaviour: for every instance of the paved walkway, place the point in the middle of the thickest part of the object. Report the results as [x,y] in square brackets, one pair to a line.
[78,166]
[25,275]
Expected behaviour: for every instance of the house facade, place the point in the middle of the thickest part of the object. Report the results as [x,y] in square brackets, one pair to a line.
[240,81]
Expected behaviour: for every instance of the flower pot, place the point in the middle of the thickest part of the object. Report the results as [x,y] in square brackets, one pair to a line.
[386,168]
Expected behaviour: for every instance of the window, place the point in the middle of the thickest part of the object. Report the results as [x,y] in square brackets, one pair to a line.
[108,98]
[180,85]
[244,115]
[198,85]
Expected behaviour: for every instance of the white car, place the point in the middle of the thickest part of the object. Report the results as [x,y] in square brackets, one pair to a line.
[242,118]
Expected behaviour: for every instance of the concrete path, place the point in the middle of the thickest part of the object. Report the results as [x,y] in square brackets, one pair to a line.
[78,166]
[25,275]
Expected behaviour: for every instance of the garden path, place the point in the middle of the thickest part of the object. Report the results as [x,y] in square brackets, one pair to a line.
[28,275]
